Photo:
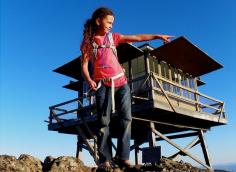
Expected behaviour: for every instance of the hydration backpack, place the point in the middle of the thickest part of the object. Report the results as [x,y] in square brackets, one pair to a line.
[111,45]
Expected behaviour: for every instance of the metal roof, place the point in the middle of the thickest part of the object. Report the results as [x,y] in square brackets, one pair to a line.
[182,54]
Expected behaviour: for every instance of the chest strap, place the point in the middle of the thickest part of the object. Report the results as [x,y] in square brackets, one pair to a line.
[111,45]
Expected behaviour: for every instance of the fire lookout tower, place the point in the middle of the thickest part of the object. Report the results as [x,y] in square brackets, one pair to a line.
[166,103]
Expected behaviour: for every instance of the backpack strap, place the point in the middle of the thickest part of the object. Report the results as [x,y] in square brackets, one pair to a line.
[112,45]
[95,49]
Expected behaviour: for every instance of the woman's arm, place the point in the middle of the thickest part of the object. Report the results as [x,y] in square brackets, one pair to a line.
[144,37]
[84,69]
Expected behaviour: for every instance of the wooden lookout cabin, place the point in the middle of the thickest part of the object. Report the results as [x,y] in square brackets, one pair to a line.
[166,103]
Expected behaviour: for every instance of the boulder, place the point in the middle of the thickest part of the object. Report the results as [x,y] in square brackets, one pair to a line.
[25,163]
[32,163]
[67,163]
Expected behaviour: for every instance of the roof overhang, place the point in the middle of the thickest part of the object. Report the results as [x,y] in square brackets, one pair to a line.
[73,85]
[182,54]
[71,69]
[127,52]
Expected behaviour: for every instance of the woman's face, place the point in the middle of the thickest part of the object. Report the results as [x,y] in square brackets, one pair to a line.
[105,24]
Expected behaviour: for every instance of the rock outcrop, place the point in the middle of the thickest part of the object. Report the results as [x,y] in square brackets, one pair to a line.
[27,163]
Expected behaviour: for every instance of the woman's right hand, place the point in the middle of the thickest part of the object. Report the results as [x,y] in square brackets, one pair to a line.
[92,84]
[166,38]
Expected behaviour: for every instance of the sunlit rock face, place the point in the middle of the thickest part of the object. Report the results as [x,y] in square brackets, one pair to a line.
[27,163]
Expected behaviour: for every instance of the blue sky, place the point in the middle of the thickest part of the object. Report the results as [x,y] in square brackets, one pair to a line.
[38,36]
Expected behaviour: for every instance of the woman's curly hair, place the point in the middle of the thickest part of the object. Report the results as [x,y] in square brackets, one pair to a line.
[90,28]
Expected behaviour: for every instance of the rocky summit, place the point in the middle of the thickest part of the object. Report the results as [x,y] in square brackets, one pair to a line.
[27,163]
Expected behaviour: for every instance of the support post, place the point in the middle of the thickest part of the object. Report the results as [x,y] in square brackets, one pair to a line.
[137,152]
[79,147]
[204,148]
[196,96]
[152,137]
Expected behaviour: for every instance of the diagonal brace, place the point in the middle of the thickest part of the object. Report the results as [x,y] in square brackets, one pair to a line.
[181,149]
[164,92]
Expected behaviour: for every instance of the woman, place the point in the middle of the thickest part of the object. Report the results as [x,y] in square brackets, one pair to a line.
[109,82]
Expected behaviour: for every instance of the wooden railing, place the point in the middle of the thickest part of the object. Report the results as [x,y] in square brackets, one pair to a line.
[71,109]
[202,102]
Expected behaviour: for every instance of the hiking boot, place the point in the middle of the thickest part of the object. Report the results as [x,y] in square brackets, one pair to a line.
[122,163]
